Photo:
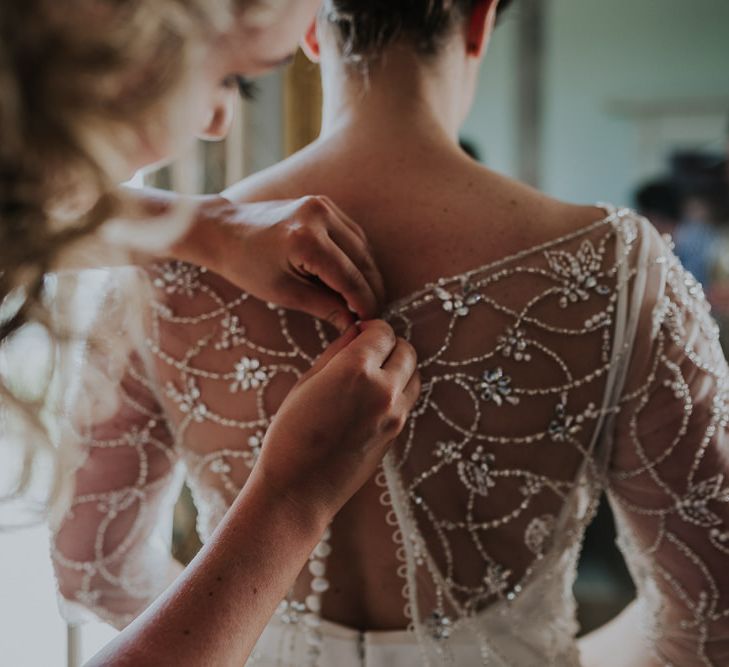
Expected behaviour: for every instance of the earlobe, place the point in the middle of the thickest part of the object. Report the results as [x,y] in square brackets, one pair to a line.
[221,118]
[310,44]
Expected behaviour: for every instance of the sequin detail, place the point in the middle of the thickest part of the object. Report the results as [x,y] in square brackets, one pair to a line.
[605,375]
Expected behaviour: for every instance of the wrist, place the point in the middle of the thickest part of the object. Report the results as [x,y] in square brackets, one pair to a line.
[204,243]
[303,515]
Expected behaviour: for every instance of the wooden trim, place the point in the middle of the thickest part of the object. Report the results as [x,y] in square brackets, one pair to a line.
[186,171]
[302,104]
[530,59]
[670,106]
[237,148]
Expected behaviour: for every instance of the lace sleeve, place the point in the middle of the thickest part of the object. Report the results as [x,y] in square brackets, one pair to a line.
[111,548]
[669,468]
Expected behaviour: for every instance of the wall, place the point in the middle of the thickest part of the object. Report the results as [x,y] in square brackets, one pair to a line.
[624,82]
[32,633]
[492,123]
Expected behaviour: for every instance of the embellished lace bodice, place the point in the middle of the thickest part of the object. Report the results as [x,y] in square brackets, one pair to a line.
[587,364]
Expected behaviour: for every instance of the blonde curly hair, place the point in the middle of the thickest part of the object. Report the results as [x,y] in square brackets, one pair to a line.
[66,67]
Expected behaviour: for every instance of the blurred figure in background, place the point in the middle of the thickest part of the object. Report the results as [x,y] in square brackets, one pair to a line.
[719,292]
[696,236]
[660,202]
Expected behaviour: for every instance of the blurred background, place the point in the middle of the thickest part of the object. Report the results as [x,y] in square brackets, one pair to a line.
[621,101]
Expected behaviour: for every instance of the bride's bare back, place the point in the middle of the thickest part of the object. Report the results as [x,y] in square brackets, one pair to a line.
[431,214]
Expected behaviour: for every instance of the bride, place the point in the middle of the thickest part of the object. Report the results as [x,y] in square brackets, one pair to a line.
[563,352]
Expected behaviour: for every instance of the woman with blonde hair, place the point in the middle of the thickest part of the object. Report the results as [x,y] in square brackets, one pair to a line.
[564,352]
[92,90]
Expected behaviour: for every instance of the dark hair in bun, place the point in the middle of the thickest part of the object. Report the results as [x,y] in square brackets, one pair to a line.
[365,28]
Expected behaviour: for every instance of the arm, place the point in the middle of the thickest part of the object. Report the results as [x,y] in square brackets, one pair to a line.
[215,611]
[669,483]
[112,558]
[111,550]
[304,254]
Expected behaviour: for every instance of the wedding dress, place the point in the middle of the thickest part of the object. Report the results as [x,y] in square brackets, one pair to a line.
[586,364]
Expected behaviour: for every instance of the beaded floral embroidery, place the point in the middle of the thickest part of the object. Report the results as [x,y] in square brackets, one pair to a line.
[603,373]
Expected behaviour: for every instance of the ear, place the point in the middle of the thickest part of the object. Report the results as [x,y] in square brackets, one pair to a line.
[480,24]
[221,116]
[310,44]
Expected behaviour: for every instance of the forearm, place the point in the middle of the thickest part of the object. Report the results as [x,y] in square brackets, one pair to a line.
[136,606]
[215,611]
[149,225]
[157,224]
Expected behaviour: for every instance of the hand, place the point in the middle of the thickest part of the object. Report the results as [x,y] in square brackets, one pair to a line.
[303,254]
[337,423]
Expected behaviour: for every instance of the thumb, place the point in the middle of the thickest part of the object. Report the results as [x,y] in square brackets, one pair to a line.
[332,351]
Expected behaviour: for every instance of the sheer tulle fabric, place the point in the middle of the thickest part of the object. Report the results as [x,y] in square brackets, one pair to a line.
[583,365]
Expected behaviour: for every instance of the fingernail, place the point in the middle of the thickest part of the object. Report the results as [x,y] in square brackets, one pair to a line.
[340,321]
[351,331]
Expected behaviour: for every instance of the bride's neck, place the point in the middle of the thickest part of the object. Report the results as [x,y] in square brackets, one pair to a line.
[401,95]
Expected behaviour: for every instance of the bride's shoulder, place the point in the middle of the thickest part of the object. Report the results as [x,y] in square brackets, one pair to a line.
[559,219]
[534,215]
[284,180]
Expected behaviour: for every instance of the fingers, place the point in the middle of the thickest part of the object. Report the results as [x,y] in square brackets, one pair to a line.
[358,249]
[333,350]
[374,344]
[352,272]
[411,393]
[324,259]
[360,254]
[318,301]
[344,218]
[401,364]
